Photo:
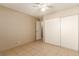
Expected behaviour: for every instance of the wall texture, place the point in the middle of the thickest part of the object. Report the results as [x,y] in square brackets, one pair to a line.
[15,28]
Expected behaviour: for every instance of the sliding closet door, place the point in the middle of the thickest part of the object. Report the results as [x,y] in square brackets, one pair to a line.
[69,32]
[52,31]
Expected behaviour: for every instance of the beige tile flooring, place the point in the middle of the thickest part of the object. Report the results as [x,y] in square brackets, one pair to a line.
[39,48]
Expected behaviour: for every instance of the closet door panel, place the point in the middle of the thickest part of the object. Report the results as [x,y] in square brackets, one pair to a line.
[52,31]
[69,32]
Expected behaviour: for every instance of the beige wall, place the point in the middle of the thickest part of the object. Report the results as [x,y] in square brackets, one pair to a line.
[15,28]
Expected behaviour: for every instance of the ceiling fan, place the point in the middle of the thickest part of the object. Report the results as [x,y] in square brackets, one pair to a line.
[42,6]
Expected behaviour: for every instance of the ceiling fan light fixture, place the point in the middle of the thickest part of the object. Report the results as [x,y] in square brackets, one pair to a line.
[43,9]
[42,6]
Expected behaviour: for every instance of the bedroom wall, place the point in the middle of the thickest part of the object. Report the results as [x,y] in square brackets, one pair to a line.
[16,28]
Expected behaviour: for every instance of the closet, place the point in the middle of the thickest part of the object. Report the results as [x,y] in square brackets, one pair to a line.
[52,31]
[62,31]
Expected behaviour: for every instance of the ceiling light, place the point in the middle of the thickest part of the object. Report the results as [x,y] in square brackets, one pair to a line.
[43,9]
[42,6]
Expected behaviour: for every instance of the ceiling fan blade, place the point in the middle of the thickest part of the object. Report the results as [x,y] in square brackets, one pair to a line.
[34,6]
[50,6]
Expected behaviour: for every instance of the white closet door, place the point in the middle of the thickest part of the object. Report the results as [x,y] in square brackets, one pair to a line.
[69,32]
[52,31]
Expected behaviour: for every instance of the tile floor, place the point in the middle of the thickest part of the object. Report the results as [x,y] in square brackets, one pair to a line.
[39,48]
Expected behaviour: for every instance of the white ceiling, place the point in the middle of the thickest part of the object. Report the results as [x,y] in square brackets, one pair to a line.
[34,11]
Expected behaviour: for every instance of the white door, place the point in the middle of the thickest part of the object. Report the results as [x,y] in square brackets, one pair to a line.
[69,32]
[52,31]
[38,30]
